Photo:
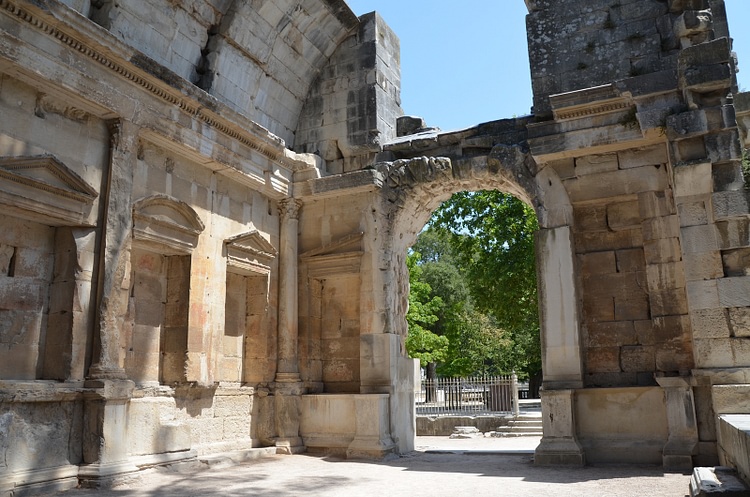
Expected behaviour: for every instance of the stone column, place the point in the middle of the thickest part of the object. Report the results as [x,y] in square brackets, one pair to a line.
[116,221]
[561,348]
[108,389]
[288,385]
[682,443]
[558,309]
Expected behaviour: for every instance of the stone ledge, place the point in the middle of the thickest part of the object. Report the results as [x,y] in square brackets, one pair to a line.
[717,481]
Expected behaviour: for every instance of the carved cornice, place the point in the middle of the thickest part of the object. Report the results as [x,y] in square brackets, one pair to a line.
[153,85]
[21,170]
[46,189]
[343,256]
[590,110]
[250,253]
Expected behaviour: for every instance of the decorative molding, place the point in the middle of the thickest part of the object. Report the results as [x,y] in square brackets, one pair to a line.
[166,224]
[250,253]
[156,87]
[47,188]
[46,104]
[349,241]
[335,258]
[290,208]
[588,102]
[590,110]
[326,266]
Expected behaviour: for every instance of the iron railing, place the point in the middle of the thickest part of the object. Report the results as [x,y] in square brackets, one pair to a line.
[474,396]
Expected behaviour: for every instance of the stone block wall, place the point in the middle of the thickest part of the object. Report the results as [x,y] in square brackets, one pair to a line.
[571,48]
[259,59]
[354,103]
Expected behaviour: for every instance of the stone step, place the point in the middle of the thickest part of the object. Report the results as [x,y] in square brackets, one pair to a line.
[509,434]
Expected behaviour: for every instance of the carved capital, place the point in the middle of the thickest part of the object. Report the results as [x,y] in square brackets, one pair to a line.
[289,208]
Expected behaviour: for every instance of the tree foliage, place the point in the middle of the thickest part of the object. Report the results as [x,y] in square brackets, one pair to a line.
[422,343]
[477,257]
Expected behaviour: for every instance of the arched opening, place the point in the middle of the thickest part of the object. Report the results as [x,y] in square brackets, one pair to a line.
[417,187]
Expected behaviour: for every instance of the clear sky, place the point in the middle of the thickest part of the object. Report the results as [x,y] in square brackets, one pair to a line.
[462,66]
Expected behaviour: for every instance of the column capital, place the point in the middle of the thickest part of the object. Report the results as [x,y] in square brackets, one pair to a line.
[289,208]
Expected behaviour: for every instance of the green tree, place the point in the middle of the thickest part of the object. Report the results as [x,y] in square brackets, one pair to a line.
[492,240]
[421,343]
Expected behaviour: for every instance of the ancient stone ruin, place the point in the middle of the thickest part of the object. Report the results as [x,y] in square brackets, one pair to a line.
[207,206]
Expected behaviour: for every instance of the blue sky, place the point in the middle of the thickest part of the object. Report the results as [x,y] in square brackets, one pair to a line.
[461,66]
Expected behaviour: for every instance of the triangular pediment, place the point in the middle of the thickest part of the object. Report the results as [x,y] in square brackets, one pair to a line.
[46,173]
[349,243]
[252,242]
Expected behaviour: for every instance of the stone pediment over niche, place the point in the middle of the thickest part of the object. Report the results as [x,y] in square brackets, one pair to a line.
[250,252]
[342,256]
[44,189]
[166,224]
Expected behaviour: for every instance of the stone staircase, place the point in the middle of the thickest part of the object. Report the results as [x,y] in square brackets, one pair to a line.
[525,425]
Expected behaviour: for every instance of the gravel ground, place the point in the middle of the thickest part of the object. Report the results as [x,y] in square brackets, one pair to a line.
[440,467]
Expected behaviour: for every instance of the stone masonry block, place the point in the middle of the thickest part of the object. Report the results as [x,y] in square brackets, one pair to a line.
[648,156]
[675,357]
[611,334]
[733,233]
[591,218]
[631,307]
[736,262]
[668,302]
[687,124]
[623,215]
[630,260]
[693,179]
[727,176]
[593,164]
[656,204]
[723,146]
[663,250]
[637,358]
[692,213]
[705,266]
[710,323]
[661,227]
[598,263]
[614,240]
[670,328]
[698,239]
[713,353]
[703,294]
[597,309]
[739,320]
[620,285]
[734,292]
[663,276]
[730,204]
[616,183]
[603,360]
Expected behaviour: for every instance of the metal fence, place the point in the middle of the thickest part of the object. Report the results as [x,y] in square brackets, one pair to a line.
[468,396]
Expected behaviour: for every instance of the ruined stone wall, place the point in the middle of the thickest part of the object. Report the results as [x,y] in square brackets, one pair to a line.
[571,48]
[353,104]
[259,58]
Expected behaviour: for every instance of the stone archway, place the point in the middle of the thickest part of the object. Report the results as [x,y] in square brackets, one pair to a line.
[416,187]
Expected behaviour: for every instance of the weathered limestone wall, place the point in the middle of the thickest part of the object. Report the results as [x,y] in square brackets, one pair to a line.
[611,424]
[258,58]
[176,281]
[657,194]
[353,104]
